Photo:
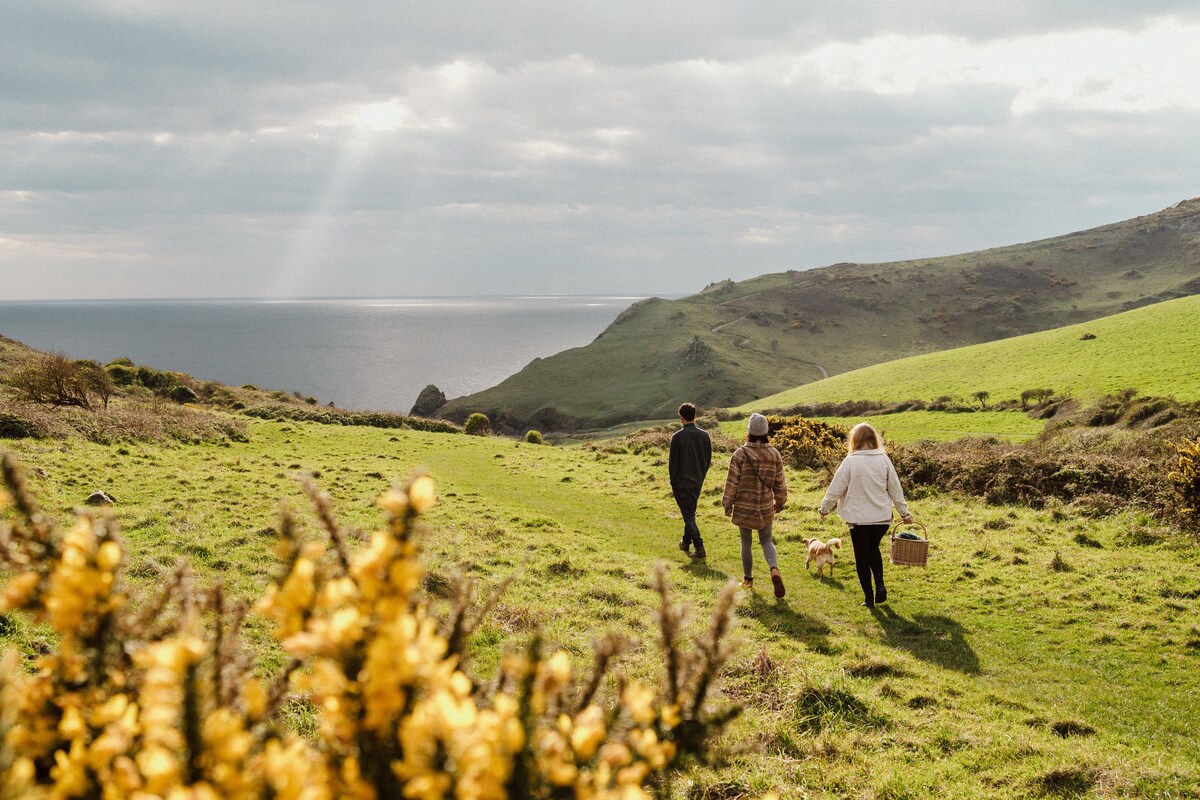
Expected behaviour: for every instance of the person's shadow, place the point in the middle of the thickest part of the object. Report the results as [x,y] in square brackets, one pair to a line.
[776,615]
[936,639]
[699,568]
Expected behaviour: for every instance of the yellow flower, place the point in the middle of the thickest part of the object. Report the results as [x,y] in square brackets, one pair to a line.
[394,501]
[638,700]
[589,732]
[18,591]
[422,494]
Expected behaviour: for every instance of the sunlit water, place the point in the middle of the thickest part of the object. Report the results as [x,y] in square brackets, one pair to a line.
[360,354]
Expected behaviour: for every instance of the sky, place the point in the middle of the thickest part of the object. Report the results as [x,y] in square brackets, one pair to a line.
[379,148]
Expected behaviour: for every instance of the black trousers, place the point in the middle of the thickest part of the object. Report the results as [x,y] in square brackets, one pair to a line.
[687,499]
[868,561]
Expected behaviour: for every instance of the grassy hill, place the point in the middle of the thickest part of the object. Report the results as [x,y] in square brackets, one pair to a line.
[1154,349]
[1043,653]
[737,342]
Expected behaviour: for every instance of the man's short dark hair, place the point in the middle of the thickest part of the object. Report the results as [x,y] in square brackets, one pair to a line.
[688,412]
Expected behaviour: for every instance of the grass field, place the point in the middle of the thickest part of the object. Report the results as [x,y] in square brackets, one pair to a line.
[1154,349]
[1042,652]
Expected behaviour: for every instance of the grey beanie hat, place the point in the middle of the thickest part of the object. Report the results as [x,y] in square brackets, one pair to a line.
[758,425]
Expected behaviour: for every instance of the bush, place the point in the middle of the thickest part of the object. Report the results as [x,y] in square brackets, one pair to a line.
[14,426]
[1185,478]
[477,425]
[808,443]
[122,374]
[160,701]
[183,394]
[52,379]
[534,437]
[1029,474]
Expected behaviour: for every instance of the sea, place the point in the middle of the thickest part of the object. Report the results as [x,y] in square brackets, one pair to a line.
[363,354]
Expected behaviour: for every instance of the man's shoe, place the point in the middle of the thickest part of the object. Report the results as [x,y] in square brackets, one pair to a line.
[699,554]
[881,596]
[683,545]
[777,582]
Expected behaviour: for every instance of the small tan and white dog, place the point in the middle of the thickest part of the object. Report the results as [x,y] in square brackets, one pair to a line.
[821,553]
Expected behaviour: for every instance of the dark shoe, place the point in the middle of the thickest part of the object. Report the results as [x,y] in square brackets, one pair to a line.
[683,545]
[867,605]
[881,596]
[699,554]
[777,582]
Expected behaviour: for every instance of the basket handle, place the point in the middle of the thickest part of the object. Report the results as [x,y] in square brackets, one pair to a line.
[913,524]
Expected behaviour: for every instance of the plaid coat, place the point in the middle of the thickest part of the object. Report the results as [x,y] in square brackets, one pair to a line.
[756,487]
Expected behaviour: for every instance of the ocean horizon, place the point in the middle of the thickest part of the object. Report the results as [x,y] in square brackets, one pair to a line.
[357,353]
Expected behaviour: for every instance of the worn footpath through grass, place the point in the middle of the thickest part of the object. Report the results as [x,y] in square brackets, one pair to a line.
[1040,653]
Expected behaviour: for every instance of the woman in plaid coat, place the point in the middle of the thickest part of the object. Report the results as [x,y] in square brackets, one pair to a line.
[755,489]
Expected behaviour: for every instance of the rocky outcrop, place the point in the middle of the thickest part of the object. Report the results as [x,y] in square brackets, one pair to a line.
[428,402]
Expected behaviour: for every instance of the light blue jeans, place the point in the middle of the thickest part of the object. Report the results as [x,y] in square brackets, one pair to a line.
[768,548]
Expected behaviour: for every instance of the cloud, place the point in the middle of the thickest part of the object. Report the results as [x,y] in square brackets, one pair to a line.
[259,147]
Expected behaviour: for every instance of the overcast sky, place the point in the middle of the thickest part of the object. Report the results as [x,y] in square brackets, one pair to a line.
[295,148]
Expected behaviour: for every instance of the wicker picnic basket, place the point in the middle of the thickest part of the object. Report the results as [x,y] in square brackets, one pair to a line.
[909,552]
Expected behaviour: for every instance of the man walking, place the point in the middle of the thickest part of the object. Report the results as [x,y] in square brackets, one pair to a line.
[691,455]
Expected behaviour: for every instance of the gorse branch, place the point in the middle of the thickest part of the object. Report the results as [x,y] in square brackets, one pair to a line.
[162,703]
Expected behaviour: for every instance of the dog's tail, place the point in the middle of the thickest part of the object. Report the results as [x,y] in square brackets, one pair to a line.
[835,543]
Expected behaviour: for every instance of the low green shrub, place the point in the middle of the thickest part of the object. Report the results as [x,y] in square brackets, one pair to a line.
[14,426]
[477,425]
[534,437]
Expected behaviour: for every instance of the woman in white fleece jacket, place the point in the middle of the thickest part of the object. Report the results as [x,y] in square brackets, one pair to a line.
[864,489]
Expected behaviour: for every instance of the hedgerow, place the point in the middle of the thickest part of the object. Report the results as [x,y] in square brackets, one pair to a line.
[159,701]
[370,419]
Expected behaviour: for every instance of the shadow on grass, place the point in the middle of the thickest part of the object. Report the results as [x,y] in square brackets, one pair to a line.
[778,616]
[699,568]
[938,640]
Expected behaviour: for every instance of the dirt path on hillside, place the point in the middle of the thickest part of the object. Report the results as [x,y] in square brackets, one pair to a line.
[741,342]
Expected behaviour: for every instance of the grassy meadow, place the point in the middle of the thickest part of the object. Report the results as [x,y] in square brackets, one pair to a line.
[1042,652]
[1152,349]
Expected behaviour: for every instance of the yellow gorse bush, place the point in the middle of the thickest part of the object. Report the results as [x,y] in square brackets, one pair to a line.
[159,703]
[808,443]
[1185,477]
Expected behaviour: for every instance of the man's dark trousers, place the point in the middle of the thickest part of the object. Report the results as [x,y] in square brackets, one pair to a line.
[687,499]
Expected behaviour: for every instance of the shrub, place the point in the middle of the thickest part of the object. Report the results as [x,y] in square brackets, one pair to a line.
[53,379]
[477,425]
[14,426]
[808,443]
[160,702]
[1185,478]
[183,394]
[122,374]
[533,437]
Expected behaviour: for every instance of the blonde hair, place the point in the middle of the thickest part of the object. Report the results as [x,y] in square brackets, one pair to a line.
[863,436]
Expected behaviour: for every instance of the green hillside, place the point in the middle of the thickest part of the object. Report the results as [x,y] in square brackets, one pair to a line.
[1154,349]
[991,673]
[735,342]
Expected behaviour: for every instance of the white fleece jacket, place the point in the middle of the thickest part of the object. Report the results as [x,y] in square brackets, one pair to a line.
[864,488]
